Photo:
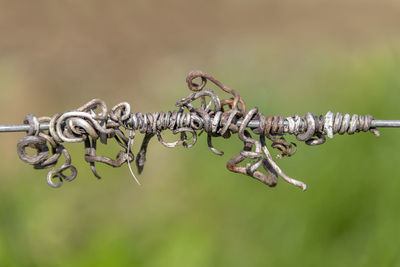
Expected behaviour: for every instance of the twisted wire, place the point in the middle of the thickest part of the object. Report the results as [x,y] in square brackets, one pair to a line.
[200,111]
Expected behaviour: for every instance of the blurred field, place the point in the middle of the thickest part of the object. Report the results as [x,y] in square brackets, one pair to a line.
[284,57]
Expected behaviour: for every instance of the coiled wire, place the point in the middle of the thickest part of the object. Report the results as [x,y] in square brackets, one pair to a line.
[201,111]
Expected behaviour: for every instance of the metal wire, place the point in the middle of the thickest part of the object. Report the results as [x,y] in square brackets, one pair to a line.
[4,128]
[201,111]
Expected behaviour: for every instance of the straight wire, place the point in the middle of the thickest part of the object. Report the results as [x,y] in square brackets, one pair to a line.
[4,128]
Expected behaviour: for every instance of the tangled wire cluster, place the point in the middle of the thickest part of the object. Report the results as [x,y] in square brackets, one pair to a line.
[209,114]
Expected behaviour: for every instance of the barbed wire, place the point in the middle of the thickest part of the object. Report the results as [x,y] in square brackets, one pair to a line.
[201,111]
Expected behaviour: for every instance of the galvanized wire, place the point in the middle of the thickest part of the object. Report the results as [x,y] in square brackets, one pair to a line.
[11,128]
[201,111]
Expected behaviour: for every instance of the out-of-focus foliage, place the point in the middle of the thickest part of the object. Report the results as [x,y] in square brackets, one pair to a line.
[281,56]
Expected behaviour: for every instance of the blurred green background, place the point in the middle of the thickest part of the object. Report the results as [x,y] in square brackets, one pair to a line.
[285,57]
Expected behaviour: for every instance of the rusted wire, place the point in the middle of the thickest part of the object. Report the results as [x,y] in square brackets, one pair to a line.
[200,111]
